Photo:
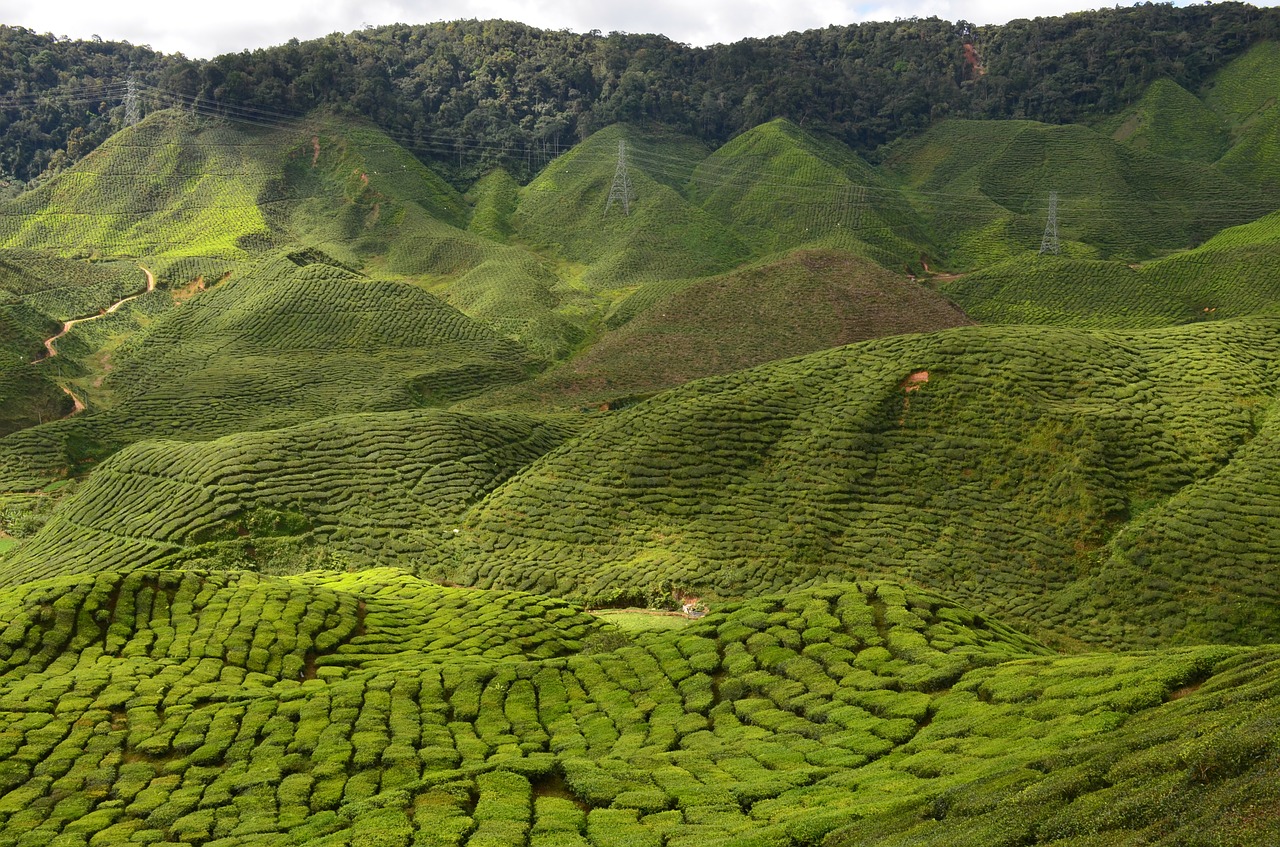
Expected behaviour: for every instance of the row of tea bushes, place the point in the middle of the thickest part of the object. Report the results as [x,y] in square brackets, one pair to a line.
[204,708]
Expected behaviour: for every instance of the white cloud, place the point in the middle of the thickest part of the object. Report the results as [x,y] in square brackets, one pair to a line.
[194,29]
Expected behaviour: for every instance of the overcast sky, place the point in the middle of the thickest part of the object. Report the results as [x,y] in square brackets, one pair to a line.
[204,30]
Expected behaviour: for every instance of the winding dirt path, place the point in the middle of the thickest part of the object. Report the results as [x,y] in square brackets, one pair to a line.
[51,351]
[66,327]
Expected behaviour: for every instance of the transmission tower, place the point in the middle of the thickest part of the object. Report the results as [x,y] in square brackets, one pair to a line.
[132,104]
[621,190]
[1049,243]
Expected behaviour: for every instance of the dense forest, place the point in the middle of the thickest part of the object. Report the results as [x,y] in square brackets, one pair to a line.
[466,94]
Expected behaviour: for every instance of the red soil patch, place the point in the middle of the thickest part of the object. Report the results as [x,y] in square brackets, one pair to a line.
[914,381]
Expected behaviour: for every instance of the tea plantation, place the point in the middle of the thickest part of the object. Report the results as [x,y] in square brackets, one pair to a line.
[201,708]
[791,498]
[991,463]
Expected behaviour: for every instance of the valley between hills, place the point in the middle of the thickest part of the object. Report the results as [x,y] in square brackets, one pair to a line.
[663,493]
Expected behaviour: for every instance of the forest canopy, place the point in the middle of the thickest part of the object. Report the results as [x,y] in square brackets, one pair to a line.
[466,95]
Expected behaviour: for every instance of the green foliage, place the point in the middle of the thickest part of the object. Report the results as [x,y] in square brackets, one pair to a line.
[378,709]
[1170,121]
[665,335]
[267,500]
[984,187]
[261,353]
[224,633]
[1003,477]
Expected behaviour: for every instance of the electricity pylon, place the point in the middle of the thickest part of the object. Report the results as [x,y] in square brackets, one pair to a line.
[132,104]
[1049,243]
[621,190]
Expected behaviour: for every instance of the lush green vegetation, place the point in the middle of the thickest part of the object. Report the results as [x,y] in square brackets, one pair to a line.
[390,514]
[993,463]
[470,94]
[341,492]
[196,707]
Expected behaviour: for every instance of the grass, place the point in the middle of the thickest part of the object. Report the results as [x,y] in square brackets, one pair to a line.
[643,620]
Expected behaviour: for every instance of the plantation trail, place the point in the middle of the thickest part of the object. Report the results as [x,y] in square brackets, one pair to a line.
[51,351]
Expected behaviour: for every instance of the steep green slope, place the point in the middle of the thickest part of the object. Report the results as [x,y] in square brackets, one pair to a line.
[1198,566]
[782,187]
[1234,274]
[39,291]
[177,186]
[295,339]
[664,236]
[984,188]
[1057,291]
[165,186]
[367,488]
[993,463]
[369,202]
[194,707]
[494,198]
[805,301]
[203,194]
[1243,93]
[1171,121]
[1245,86]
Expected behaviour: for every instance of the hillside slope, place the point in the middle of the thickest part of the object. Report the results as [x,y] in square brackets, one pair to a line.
[296,338]
[984,187]
[992,463]
[338,492]
[665,335]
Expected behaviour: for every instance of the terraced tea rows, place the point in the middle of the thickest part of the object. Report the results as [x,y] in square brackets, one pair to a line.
[279,345]
[1170,121]
[782,187]
[807,300]
[984,187]
[387,488]
[994,463]
[1234,274]
[158,188]
[200,708]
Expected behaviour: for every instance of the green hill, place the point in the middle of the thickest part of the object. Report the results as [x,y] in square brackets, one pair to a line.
[1245,86]
[664,237]
[1234,274]
[985,191]
[279,598]
[782,187]
[351,490]
[1057,291]
[295,339]
[1170,121]
[39,291]
[994,463]
[666,335]
[162,187]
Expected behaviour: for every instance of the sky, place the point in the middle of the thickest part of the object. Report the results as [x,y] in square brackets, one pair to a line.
[194,30]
